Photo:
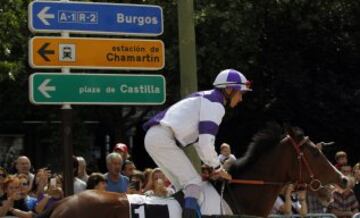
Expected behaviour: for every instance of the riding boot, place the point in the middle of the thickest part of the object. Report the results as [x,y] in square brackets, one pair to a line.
[191,209]
[191,204]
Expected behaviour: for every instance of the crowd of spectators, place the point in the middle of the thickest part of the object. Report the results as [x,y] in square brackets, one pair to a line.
[24,194]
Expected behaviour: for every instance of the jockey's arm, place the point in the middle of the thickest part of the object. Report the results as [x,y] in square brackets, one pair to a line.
[211,114]
[206,151]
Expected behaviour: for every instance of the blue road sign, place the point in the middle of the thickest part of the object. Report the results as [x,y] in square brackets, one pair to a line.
[95,18]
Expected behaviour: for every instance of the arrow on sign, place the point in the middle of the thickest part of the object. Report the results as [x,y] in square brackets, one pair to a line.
[43,52]
[43,16]
[44,88]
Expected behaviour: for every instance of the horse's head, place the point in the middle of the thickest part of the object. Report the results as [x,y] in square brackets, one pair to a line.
[310,166]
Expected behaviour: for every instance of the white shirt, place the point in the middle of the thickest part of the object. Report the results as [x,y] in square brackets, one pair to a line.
[195,118]
[79,185]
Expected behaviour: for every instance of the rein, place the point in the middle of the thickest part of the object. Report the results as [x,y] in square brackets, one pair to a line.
[314,184]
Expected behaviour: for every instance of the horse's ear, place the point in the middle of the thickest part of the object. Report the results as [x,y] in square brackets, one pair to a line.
[289,130]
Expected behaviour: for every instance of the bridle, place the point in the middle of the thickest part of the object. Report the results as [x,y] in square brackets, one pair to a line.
[314,184]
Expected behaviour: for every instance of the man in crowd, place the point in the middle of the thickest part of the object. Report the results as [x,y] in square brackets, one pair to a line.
[23,166]
[345,204]
[115,181]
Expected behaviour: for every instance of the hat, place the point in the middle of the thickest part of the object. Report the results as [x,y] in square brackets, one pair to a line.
[120,147]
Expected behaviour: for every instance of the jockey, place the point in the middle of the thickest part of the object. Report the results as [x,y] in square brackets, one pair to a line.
[193,120]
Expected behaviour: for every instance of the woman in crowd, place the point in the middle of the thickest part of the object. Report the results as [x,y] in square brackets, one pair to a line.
[158,184]
[82,173]
[53,192]
[41,180]
[12,203]
[25,189]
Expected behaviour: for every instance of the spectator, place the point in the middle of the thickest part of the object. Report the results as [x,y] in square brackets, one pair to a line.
[157,185]
[53,193]
[96,181]
[346,170]
[356,173]
[23,166]
[114,180]
[345,204]
[226,157]
[3,176]
[25,189]
[128,168]
[289,202]
[136,183]
[123,150]
[341,159]
[12,203]
[40,182]
[319,201]
[147,173]
[79,185]
[81,173]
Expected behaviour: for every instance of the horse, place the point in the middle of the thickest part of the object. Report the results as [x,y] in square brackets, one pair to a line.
[271,161]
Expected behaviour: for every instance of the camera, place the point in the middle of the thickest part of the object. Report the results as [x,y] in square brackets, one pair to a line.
[135,185]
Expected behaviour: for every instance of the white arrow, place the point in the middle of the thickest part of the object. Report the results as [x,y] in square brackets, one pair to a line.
[43,16]
[43,88]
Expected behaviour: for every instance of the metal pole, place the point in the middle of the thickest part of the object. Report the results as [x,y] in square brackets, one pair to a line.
[68,185]
[188,75]
[66,112]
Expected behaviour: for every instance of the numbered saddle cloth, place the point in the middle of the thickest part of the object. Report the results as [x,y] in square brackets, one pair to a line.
[142,206]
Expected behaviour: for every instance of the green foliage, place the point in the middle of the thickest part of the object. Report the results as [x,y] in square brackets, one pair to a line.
[301,54]
[13,38]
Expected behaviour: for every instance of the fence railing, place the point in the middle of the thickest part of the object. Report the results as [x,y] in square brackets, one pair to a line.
[309,215]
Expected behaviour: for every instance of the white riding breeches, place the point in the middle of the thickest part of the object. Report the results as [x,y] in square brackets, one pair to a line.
[161,145]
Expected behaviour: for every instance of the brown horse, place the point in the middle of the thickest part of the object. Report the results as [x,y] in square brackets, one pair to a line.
[271,162]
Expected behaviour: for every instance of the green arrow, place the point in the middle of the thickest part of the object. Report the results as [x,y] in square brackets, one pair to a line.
[44,88]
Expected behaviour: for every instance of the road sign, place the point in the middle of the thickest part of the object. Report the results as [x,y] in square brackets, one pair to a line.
[97,89]
[96,53]
[95,18]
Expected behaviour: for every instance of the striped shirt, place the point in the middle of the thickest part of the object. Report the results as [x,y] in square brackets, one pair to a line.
[345,201]
[195,118]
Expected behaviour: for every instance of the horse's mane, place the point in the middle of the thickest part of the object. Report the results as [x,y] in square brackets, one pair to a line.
[262,142]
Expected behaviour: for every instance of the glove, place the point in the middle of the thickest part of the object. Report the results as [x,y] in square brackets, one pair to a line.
[222,173]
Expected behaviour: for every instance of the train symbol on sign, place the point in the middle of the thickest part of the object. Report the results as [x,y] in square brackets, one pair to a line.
[67,52]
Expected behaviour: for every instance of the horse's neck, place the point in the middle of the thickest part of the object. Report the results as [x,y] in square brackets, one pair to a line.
[259,199]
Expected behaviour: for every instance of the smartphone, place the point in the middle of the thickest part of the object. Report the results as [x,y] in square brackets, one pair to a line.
[135,185]
[53,182]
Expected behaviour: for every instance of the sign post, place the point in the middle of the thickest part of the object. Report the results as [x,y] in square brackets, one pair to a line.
[66,52]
